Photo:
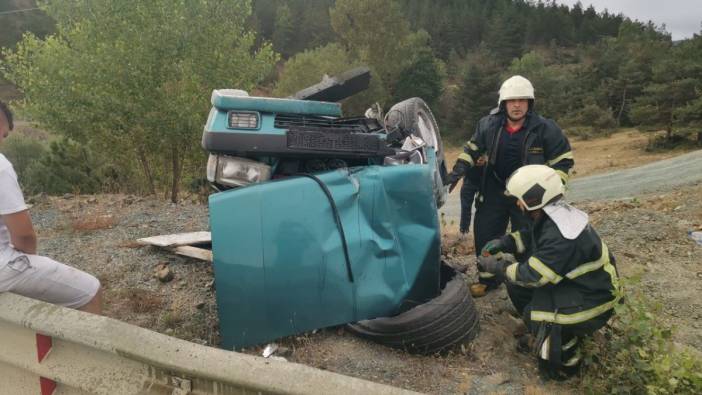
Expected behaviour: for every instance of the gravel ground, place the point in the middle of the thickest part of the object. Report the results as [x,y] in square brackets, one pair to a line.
[649,237]
[97,234]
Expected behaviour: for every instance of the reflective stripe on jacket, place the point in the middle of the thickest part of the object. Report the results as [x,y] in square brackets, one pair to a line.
[544,143]
[573,280]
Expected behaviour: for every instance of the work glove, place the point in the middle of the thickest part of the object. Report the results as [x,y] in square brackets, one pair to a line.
[492,247]
[458,171]
[494,264]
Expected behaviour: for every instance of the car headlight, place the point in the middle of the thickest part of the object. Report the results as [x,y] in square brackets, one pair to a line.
[232,171]
[243,119]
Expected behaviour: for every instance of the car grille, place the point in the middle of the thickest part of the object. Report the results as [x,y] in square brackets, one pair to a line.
[334,141]
[331,134]
[312,123]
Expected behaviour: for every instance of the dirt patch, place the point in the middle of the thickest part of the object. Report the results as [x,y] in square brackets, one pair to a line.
[648,236]
[8,92]
[622,150]
[26,129]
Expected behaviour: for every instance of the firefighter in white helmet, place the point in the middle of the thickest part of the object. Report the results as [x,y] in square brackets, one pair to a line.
[566,284]
[511,136]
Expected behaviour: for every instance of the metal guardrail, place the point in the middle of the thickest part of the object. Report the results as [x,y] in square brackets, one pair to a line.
[49,349]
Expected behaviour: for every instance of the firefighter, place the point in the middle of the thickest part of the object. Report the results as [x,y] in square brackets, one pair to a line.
[469,188]
[566,286]
[511,136]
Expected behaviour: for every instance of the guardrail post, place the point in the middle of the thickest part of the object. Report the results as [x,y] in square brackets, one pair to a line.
[44,344]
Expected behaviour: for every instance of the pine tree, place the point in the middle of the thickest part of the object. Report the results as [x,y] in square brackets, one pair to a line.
[671,90]
[688,117]
[422,78]
[284,30]
[505,35]
[477,94]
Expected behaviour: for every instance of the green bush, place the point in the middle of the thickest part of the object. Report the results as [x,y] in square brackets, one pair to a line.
[70,167]
[67,168]
[64,166]
[423,78]
[660,143]
[637,355]
[22,151]
[589,121]
[581,132]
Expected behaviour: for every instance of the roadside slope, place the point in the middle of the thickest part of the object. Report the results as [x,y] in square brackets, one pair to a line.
[659,176]
[664,175]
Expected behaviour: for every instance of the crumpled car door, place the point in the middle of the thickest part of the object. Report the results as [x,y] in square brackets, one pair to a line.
[279,258]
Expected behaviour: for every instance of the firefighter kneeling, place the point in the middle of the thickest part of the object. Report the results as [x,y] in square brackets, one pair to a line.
[564,284]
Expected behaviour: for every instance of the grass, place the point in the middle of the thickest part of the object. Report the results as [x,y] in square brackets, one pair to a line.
[172,319]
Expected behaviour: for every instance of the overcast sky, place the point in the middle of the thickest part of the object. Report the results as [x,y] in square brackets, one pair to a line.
[682,18]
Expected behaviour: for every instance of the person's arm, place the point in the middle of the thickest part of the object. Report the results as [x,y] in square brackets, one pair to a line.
[14,211]
[22,234]
[545,266]
[471,156]
[557,151]
[511,243]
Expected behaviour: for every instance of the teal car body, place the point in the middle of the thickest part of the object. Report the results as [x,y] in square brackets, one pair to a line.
[305,251]
[278,256]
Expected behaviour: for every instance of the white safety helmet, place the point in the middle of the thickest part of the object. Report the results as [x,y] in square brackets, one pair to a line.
[535,186]
[516,87]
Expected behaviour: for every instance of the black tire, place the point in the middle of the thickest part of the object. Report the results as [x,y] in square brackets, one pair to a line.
[445,321]
[413,116]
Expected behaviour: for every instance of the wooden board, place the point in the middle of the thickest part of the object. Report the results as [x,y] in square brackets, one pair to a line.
[177,240]
[194,252]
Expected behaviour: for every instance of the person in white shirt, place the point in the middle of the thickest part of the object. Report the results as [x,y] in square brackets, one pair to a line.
[21,270]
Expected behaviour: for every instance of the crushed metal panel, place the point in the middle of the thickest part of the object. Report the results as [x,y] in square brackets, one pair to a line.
[337,88]
[279,262]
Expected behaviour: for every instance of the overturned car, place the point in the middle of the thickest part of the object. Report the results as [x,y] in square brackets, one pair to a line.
[322,220]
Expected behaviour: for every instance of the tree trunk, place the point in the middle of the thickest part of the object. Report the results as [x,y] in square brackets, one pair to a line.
[146,167]
[621,109]
[175,185]
[699,138]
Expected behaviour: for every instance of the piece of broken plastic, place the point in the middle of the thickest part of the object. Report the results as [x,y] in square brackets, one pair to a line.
[403,158]
[269,350]
[696,236]
[412,143]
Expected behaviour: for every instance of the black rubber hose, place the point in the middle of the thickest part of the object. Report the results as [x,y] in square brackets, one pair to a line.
[337,219]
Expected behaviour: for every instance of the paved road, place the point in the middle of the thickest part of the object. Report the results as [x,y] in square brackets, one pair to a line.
[658,176]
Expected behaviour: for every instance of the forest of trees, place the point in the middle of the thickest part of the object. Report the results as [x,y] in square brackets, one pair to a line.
[88,75]
[592,71]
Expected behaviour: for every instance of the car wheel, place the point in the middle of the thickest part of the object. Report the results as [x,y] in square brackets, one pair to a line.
[413,116]
[445,321]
